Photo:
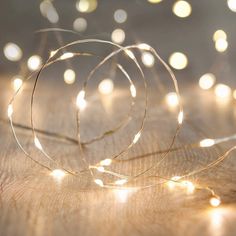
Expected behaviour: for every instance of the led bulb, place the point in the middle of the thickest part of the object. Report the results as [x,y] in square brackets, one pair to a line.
[34,62]
[99,182]
[222,91]
[207,81]
[37,143]
[69,76]
[219,34]
[172,99]
[148,59]
[10,111]
[133,91]
[66,55]
[106,86]
[182,9]
[178,60]
[121,181]
[106,162]
[215,201]
[136,137]
[12,52]
[80,101]
[17,82]
[118,36]
[207,143]
[221,45]
[180,117]
[120,16]
[58,174]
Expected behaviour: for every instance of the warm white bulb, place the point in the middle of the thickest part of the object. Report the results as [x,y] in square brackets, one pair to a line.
[172,99]
[222,91]
[106,162]
[219,34]
[207,81]
[178,60]
[118,36]
[86,6]
[207,142]
[37,143]
[232,5]
[99,182]
[58,174]
[66,55]
[154,1]
[121,181]
[12,52]
[148,59]
[80,24]
[10,111]
[133,91]
[173,182]
[80,100]
[69,76]
[221,45]
[17,82]
[100,168]
[182,9]
[180,117]
[136,137]
[188,185]
[106,86]
[34,62]
[144,46]
[120,16]
[215,202]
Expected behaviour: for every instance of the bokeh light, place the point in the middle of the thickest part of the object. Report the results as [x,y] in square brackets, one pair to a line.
[148,59]
[178,60]
[172,99]
[182,9]
[154,1]
[118,36]
[34,62]
[69,76]
[219,34]
[207,81]
[80,24]
[222,91]
[17,82]
[12,52]
[221,45]
[120,16]
[86,5]
[106,86]
[232,5]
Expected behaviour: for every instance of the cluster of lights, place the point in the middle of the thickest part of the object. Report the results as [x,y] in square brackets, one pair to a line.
[220,39]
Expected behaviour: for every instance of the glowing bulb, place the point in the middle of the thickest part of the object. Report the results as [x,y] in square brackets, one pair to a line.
[106,162]
[58,174]
[133,91]
[172,99]
[118,36]
[34,62]
[173,182]
[52,15]
[136,137]
[207,143]
[219,34]
[207,81]
[215,202]
[121,181]
[69,76]
[52,53]
[37,143]
[234,94]
[222,91]
[232,5]
[66,55]
[86,5]
[130,54]
[182,9]
[10,111]
[180,117]
[80,100]
[154,1]
[17,82]
[100,168]
[178,60]
[99,182]
[148,59]
[120,16]
[12,52]
[144,46]
[189,186]
[221,45]
[80,24]
[106,86]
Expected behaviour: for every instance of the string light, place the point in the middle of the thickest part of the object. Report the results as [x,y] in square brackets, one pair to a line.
[118,36]
[99,182]
[80,24]
[172,99]
[34,62]
[17,82]
[69,76]
[215,201]
[222,91]
[207,81]
[133,91]
[221,45]
[86,6]
[12,52]
[178,61]
[148,59]
[80,101]
[232,5]
[120,16]
[207,143]
[106,162]
[106,86]
[121,181]
[58,174]
[182,9]
[219,34]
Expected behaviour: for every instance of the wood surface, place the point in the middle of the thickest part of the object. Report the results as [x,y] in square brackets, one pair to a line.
[33,203]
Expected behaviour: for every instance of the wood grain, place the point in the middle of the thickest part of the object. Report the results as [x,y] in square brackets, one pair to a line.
[32,203]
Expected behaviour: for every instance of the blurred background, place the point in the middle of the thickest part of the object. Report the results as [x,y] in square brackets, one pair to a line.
[169,26]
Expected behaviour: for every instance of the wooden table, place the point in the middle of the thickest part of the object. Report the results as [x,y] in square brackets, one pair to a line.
[33,203]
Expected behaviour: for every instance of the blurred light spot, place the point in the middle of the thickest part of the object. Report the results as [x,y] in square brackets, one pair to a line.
[148,59]
[207,81]
[172,99]
[182,9]
[232,5]
[58,174]
[189,186]
[52,15]
[17,82]
[69,76]
[106,86]
[34,62]
[207,142]
[234,94]
[99,182]
[121,181]
[80,100]
[221,45]
[120,16]
[122,195]
[80,24]
[118,36]
[86,5]
[106,162]
[173,182]
[222,91]
[66,55]
[12,52]
[215,202]
[219,34]
[154,1]
[178,60]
